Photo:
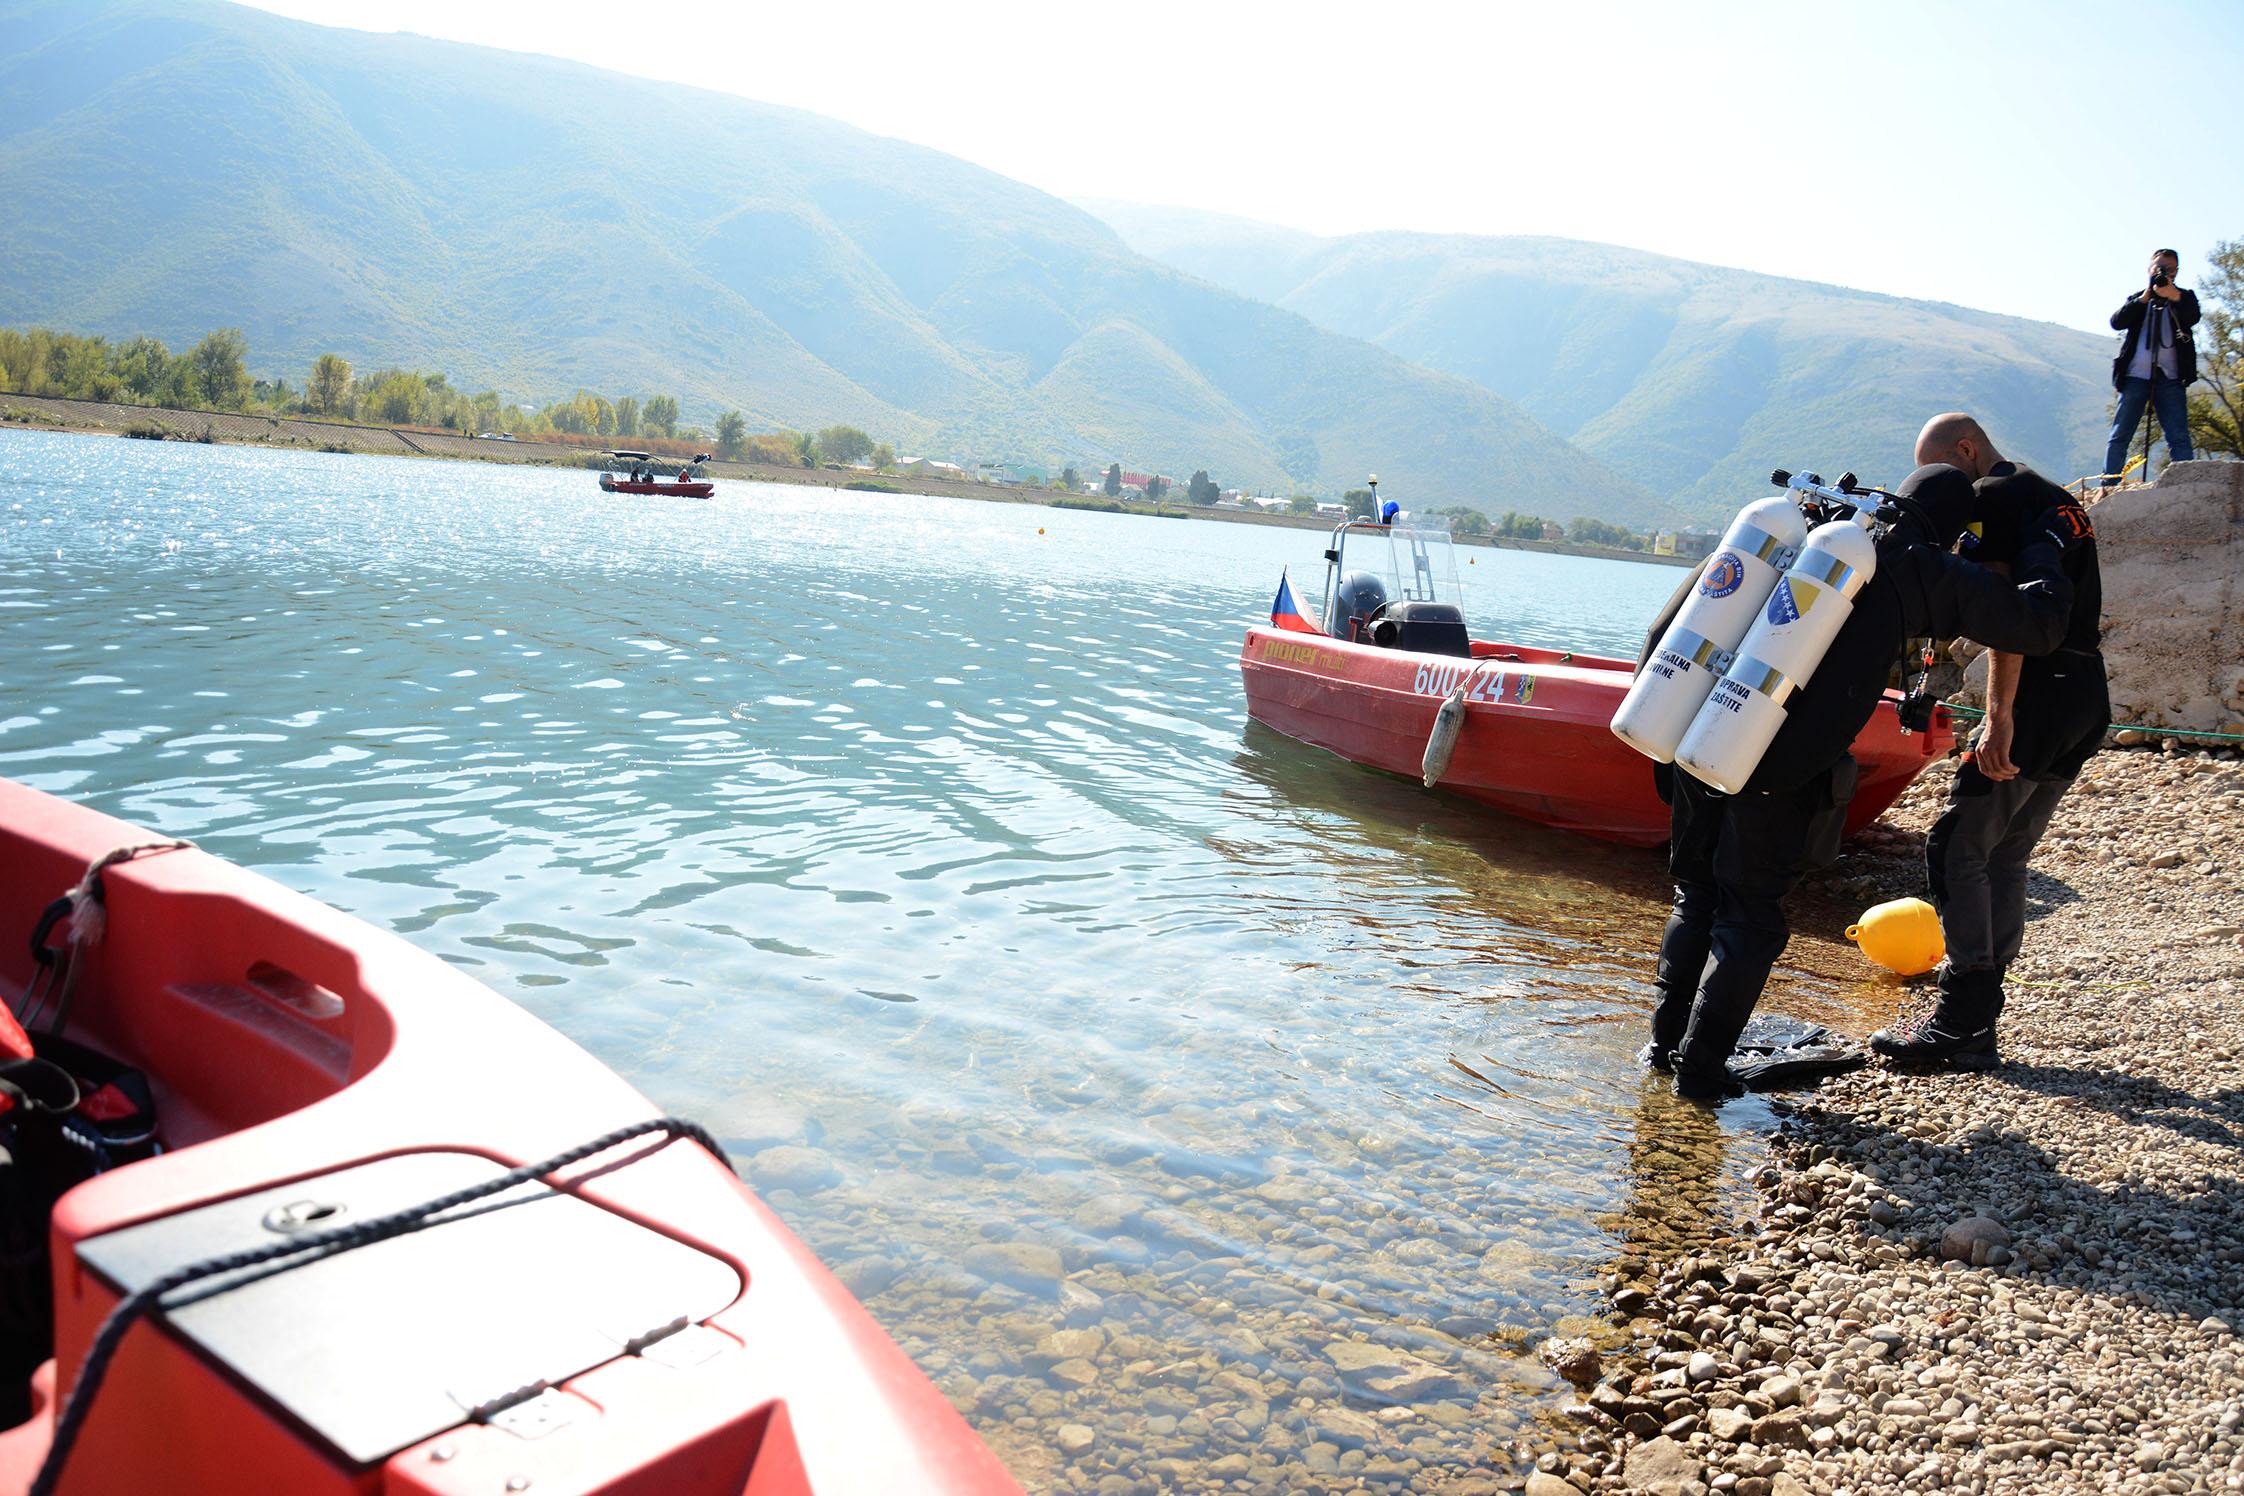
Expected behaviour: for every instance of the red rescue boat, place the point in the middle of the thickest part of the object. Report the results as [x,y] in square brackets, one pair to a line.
[1536,741]
[632,1321]
[639,477]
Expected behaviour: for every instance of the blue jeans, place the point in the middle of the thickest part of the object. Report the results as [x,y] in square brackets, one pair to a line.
[2170,398]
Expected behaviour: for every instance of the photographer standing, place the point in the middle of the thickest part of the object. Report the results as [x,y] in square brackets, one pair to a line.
[2157,362]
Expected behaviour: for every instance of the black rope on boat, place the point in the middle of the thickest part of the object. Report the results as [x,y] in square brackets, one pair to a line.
[86,906]
[328,1243]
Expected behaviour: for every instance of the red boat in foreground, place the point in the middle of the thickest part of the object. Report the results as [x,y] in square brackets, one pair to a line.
[631,1321]
[640,477]
[1536,739]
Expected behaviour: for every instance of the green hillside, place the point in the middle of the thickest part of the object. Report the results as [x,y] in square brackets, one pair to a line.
[1691,379]
[537,226]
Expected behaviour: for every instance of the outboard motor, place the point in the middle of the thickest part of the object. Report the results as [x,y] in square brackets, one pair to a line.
[1360,596]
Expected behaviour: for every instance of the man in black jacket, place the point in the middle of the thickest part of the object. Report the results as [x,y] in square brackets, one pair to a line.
[2045,716]
[2157,362]
[1736,857]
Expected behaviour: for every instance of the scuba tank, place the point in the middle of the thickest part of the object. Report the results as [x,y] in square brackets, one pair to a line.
[1697,647]
[1780,652]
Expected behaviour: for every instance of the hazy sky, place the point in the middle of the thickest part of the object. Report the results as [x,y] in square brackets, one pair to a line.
[2022,157]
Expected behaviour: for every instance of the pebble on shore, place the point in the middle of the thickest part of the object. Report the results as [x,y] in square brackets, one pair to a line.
[2025,1281]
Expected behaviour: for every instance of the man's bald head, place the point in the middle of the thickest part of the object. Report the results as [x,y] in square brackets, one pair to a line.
[1959,441]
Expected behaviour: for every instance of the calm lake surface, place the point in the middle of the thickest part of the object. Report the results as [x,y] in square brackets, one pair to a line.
[1129,1060]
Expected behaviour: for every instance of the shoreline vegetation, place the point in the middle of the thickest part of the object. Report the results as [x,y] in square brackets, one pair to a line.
[57,413]
[208,394]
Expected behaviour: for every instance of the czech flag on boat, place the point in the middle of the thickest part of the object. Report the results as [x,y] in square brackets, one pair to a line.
[1285,613]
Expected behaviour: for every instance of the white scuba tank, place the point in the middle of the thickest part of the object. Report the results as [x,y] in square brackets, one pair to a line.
[1697,646]
[1779,653]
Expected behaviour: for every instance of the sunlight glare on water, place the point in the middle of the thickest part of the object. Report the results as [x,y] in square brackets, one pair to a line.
[1128,1059]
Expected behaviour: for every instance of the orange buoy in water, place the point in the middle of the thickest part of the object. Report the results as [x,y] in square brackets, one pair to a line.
[1040,529]
[1902,935]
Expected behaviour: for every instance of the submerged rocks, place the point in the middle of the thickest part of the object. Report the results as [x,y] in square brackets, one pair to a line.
[1573,1358]
[1387,1375]
[1069,1345]
[793,1167]
[1105,1215]
[867,1276]
[1027,1266]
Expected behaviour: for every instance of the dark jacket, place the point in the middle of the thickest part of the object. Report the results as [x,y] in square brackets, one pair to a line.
[2129,320]
[2063,703]
[1918,591]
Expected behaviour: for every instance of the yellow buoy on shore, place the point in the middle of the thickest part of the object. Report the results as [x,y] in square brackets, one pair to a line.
[1902,935]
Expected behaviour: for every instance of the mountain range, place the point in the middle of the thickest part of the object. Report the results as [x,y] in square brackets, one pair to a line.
[1691,379]
[539,226]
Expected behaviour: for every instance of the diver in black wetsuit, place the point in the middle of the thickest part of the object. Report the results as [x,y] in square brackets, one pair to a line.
[2045,716]
[1736,857]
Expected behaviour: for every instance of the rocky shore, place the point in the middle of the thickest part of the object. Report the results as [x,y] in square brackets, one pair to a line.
[2025,1281]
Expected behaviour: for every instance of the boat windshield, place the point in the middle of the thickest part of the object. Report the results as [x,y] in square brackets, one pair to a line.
[1412,559]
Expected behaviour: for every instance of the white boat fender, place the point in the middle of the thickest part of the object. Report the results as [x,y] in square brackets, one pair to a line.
[1449,723]
[1699,643]
[1779,654]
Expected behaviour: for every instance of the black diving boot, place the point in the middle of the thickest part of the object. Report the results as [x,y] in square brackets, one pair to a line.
[1707,1088]
[1670,1017]
[1702,1060]
[1960,1033]
[1675,986]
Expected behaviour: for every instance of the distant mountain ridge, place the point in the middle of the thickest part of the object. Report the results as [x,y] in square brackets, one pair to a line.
[1692,379]
[539,226]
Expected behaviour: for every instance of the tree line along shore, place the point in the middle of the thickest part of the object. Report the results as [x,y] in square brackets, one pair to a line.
[208,393]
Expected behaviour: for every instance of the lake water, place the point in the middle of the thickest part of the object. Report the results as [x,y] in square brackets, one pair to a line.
[922,848]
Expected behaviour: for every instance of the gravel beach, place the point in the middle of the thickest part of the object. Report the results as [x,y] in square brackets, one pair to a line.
[2023,1281]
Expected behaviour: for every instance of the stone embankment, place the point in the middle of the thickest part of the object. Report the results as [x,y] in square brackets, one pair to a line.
[2172,557]
[2021,1282]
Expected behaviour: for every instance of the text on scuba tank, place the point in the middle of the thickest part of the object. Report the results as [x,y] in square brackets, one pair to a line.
[1435,678]
[1670,664]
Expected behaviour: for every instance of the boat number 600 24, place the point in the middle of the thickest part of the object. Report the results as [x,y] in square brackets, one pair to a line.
[1435,678]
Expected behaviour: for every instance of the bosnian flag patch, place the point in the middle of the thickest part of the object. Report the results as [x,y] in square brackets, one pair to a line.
[1786,606]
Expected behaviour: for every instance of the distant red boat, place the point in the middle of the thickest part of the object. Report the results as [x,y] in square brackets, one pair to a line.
[1536,740]
[640,478]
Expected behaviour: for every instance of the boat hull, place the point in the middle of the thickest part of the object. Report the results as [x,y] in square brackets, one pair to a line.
[699,488]
[1537,741]
[286,1042]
